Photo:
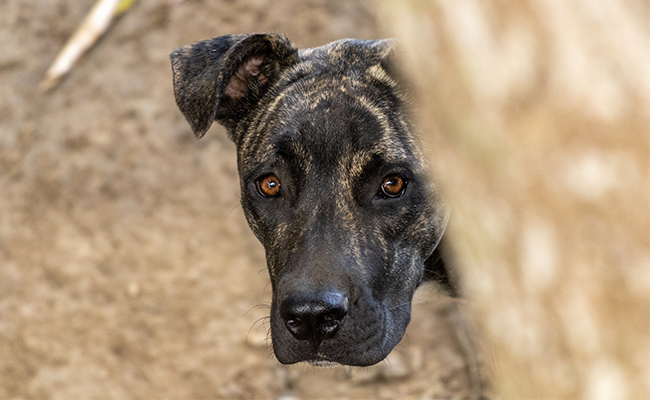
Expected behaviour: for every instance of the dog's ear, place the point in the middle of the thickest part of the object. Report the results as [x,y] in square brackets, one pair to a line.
[223,78]
[384,48]
[389,56]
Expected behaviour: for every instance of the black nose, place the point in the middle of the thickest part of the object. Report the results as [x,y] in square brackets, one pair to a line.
[314,317]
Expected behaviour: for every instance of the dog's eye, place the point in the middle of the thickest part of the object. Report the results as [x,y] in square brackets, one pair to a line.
[393,186]
[269,186]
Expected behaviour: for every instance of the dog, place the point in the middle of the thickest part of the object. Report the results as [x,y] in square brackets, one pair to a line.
[333,184]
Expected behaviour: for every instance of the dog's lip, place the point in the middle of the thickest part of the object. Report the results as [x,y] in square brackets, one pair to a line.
[320,360]
[322,363]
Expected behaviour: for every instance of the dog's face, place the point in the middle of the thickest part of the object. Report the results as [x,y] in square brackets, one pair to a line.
[332,185]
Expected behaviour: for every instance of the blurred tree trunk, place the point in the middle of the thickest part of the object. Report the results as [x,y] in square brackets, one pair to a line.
[536,118]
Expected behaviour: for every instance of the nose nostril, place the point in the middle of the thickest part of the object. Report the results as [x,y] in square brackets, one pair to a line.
[329,324]
[297,328]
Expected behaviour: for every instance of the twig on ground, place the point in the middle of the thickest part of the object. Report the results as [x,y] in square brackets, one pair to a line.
[93,26]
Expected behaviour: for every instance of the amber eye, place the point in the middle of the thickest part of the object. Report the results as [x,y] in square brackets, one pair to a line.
[269,186]
[392,186]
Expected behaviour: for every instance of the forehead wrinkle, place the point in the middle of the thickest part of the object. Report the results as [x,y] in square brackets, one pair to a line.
[381,115]
[292,149]
[270,121]
[392,145]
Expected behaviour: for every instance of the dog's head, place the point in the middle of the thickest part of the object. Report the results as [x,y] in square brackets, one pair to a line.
[332,184]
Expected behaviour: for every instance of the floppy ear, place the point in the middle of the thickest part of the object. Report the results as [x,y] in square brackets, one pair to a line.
[223,78]
[387,51]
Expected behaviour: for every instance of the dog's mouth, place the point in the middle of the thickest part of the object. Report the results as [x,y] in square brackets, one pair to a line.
[322,361]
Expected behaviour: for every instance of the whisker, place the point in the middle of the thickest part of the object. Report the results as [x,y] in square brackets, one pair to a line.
[272,274]
[400,305]
[405,342]
[265,289]
[353,371]
[259,320]
[260,306]
[386,363]
[233,209]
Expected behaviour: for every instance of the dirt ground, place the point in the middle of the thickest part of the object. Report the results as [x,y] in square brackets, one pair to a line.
[127,269]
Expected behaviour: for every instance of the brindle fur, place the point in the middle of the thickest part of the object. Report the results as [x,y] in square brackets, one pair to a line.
[331,123]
